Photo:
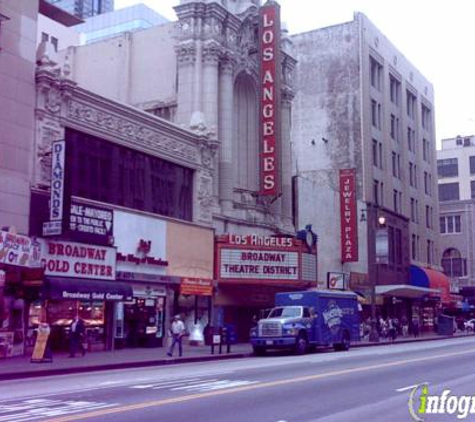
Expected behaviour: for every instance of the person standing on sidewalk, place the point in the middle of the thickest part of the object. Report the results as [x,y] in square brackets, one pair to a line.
[177,331]
[76,336]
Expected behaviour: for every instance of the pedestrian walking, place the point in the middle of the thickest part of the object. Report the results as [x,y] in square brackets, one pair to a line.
[405,326]
[76,336]
[415,327]
[177,332]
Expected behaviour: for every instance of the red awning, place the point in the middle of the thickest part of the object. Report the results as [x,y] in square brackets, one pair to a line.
[439,281]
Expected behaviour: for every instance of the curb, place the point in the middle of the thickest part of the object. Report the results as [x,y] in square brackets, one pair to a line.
[119,365]
[412,340]
[176,361]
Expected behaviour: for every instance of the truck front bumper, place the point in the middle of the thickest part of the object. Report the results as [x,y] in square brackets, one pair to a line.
[273,342]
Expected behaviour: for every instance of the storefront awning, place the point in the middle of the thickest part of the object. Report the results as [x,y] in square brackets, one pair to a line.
[404,290]
[80,289]
[428,278]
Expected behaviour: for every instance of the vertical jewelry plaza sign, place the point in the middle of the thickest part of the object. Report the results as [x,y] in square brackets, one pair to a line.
[349,228]
[269,38]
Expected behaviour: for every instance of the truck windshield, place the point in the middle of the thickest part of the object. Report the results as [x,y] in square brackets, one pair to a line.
[288,311]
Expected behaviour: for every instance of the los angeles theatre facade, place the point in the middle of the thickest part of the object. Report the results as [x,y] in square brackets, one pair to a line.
[222,75]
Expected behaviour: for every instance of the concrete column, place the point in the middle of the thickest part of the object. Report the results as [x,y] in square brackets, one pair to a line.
[210,86]
[186,61]
[286,199]
[226,86]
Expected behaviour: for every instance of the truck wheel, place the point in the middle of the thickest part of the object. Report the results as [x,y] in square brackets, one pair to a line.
[301,345]
[259,351]
[345,342]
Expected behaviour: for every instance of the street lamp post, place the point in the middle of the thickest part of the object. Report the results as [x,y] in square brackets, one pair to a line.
[381,253]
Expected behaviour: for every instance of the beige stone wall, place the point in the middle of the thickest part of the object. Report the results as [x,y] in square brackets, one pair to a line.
[17,102]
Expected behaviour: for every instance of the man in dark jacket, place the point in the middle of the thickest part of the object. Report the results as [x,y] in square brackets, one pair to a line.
[76,335]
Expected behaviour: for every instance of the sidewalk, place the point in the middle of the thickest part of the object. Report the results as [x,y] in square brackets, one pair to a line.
[21,367]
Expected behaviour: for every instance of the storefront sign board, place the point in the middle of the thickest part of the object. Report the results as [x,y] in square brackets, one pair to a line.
[196,286]
[39,354]
[90,223]
[70,259]
[19,250]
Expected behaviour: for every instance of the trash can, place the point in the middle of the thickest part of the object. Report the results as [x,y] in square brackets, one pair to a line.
[445,325]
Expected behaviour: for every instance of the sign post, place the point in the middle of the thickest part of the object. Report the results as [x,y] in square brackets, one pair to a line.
[42,352]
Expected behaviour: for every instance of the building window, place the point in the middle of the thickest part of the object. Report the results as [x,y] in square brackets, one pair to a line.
[394,90]
[426,150]
[110,173]
[472,165]
[376,192]
[376,114]
[427,184]
[413,247]
[450,224]
[411,139]
[413,210]
[453,263]
[429,252]
[426,118]
[472,189]
[44,37]
[448,167]
[394,130]
[449,192]
[375,153]
[411,104]
[376,73]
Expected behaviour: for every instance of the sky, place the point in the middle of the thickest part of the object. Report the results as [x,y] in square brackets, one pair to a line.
[436,36]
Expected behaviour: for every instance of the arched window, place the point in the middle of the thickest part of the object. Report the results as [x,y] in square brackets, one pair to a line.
[453,263]
[245,136]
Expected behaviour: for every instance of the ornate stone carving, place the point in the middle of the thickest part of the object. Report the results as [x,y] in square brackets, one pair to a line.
[186,53]
[205,199]
[211,53]
[138,135]
[53,99]
[208,152]
[48,131]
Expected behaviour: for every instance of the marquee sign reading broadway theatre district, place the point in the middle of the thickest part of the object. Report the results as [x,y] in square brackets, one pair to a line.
[257,259]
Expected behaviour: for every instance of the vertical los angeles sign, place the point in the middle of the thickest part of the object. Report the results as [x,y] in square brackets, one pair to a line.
[349,228]
[269,38]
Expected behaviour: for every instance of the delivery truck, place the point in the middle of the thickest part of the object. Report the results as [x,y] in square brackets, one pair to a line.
[307,319]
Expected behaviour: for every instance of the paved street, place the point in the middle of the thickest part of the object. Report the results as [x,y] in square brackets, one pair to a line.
[358,385]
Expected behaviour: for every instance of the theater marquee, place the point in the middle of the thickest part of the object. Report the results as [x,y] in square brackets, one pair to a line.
[261,259]
[269,38]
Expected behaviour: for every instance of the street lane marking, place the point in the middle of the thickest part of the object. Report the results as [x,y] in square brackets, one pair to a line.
[36,409]
[216,385]
[156,403]
[400,390]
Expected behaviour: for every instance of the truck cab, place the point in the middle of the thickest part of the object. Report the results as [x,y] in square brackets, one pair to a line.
[307,319]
